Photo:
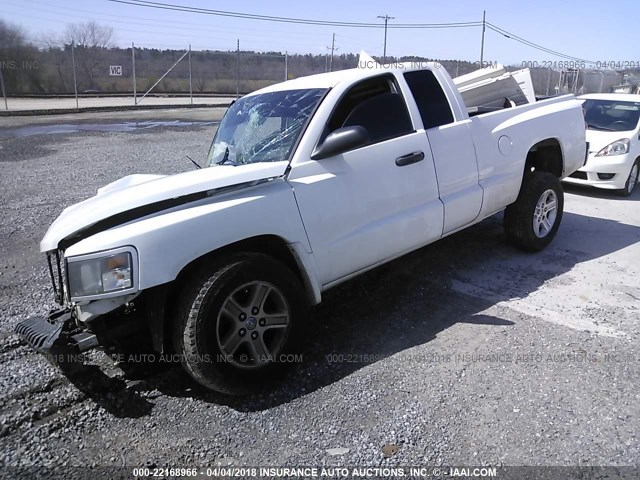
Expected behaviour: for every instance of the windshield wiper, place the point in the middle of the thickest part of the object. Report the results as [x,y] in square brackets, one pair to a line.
[226,158]
[194,162]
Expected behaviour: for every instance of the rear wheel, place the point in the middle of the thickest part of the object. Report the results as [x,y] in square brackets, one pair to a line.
[237,321]
[632,179]
[533,219]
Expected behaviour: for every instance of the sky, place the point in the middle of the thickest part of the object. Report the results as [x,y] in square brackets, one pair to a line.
[587,29]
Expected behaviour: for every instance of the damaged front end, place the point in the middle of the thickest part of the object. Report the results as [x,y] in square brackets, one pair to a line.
[81,325]
[55,333]
[59,331]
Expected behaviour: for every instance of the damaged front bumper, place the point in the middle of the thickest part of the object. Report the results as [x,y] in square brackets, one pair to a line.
[113,323]
[55,333]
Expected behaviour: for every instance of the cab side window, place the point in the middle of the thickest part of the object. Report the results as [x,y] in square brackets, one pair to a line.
[432,102]
[375,104]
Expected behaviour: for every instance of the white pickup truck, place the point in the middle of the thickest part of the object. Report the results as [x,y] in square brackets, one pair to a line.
[309,183]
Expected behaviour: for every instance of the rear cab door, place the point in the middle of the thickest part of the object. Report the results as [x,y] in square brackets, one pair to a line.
[373,203]
[447,127]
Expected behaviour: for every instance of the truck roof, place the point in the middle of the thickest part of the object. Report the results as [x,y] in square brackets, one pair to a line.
[331,79]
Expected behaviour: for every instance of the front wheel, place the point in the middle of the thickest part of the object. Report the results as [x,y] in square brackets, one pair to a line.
[632,179]
[237,321]
[533,219]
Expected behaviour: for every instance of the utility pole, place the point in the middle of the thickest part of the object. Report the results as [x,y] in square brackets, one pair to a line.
[484,25]
[190,87]
[73,61]
[286,66]
[4,94]
[238,69]
[386,19]
[133,64]
[332,48]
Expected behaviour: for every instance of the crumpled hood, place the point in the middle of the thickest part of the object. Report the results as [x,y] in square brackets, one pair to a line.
[599,139]
[136,191]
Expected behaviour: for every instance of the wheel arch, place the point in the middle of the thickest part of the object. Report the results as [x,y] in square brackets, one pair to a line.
[272,245]
[546,156]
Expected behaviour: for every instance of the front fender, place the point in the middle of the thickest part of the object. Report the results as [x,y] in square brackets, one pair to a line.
[168,241]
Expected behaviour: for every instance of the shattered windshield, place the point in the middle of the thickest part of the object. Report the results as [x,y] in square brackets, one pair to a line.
[263,128]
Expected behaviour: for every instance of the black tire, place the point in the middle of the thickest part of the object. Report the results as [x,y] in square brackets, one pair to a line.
[519,216]
[630,184]
[200,323]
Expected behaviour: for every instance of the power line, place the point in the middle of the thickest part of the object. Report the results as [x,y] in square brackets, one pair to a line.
[270,18]
[435,25]
[493,27]
[515,37]
[159,24]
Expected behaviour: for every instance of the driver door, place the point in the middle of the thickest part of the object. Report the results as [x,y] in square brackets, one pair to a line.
[373,203]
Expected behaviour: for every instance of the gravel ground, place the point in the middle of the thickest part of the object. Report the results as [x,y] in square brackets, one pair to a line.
[466,352]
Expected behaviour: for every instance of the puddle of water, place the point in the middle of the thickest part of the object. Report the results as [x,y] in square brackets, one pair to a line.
[21,132]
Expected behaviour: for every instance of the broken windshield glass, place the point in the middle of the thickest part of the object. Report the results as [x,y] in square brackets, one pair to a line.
[263,128]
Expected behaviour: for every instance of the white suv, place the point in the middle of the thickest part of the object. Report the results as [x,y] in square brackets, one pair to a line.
[614,143]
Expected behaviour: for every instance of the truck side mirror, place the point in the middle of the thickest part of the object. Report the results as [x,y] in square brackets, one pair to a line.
[340,141]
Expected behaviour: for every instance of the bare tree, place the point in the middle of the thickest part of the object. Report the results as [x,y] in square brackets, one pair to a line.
[92,40]
[89,35]
[49,40]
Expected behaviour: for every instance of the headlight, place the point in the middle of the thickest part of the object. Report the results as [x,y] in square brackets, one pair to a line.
[619,147]
[100,274]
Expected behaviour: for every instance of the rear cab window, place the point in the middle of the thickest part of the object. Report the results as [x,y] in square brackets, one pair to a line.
[432,102]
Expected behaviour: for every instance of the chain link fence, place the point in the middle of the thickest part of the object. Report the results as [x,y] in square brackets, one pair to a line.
[137,72]
[140,73]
